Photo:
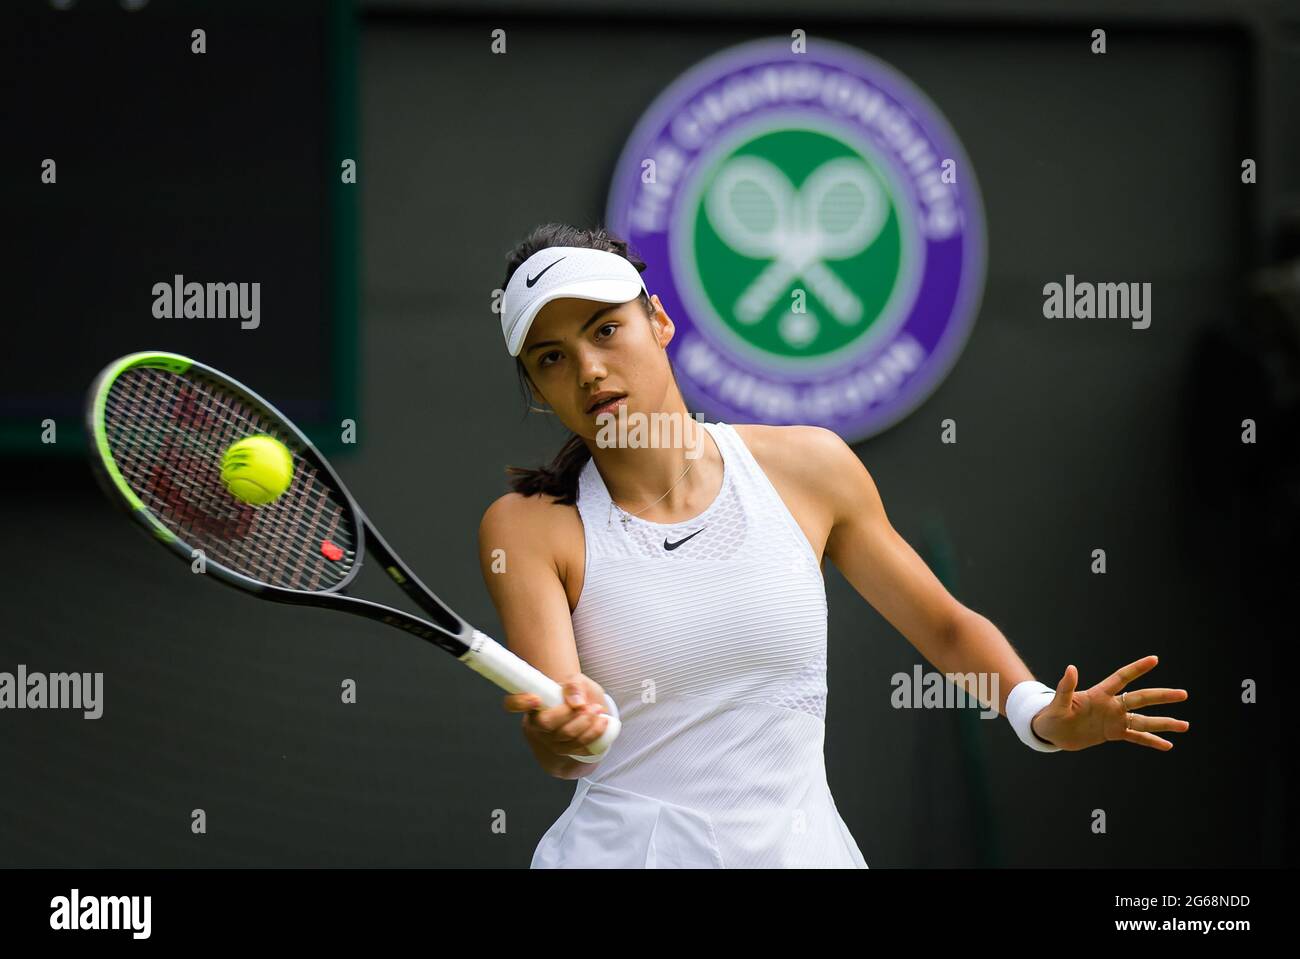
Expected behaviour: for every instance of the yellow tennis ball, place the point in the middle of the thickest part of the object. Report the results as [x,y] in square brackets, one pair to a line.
[257,469]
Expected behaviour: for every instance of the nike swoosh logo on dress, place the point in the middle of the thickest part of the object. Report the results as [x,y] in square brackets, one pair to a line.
[668,545]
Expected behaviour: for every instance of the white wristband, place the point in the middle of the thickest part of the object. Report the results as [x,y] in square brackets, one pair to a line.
[613,708]
[1023,704]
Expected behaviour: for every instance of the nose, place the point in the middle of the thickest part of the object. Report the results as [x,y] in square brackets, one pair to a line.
[591,369]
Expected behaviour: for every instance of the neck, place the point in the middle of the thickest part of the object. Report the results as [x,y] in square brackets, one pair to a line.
[643,456]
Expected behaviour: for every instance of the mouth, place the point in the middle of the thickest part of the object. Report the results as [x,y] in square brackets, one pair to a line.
[605,403]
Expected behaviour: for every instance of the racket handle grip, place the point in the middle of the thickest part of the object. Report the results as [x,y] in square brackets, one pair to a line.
[493,661]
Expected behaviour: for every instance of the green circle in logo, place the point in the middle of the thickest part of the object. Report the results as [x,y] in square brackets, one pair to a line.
[795,244]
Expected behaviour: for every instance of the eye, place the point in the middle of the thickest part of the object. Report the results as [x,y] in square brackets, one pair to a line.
[607,326]
[546,356]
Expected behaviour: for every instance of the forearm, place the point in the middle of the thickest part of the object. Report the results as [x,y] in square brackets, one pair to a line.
[975,645]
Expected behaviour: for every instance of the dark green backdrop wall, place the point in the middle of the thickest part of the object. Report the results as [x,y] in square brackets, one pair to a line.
[1073,435]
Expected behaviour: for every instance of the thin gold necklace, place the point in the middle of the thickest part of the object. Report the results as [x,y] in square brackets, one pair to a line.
[627,515]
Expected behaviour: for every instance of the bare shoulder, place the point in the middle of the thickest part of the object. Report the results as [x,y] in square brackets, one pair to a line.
[538,518]
[823,482]
[814,471]
[538,527]
[811,454]
[516,509]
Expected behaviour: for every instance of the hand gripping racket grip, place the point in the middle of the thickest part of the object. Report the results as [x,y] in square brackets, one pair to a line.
[493,661]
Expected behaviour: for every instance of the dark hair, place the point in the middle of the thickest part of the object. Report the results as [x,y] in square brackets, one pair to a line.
[559,478]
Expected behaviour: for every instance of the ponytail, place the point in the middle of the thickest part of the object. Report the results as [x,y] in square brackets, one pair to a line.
[559,478]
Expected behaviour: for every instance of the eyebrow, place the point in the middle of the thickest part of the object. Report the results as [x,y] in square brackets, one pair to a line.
[594,317]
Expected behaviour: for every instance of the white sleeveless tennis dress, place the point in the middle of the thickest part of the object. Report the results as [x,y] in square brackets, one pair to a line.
[710,635]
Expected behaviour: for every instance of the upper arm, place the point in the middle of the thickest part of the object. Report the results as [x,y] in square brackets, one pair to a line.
[871,554]
[523,579]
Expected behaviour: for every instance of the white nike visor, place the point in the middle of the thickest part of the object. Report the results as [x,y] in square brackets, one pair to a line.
[560,271]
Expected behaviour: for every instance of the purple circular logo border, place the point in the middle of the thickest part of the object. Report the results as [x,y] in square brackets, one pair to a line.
[942,315]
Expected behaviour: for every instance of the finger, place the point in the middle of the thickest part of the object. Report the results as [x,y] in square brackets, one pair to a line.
[557,716]
[1147,739]
[1153,697]
[1126,674]
[598,726]
[1152,724]
[574,694]
[1066,687]
[521,702]
[571,730]
[553,717]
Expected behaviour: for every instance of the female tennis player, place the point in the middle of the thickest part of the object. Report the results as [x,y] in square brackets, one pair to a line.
[679,586]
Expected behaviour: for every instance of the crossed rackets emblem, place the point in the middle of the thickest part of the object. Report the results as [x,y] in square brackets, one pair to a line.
[836,214]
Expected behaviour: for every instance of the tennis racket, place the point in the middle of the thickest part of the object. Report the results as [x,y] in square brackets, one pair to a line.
[160,424]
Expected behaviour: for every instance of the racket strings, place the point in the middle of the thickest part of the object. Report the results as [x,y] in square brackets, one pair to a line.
[283,525]
[167,435]
[216,423]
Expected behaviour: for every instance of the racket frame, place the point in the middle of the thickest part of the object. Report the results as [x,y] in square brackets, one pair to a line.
[447,629]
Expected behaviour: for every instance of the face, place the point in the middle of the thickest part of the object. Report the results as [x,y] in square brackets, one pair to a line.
[576,349]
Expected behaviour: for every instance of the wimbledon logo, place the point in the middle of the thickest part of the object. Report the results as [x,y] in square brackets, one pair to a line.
[813,227]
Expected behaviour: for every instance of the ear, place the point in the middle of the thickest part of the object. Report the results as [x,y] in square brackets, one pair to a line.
[662,323]
[532,387]
[535,397]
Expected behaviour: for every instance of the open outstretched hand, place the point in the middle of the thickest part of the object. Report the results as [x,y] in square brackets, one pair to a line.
[1076,720]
